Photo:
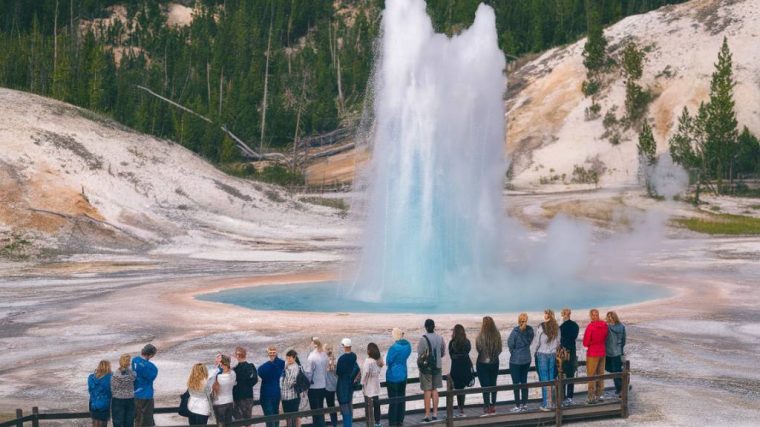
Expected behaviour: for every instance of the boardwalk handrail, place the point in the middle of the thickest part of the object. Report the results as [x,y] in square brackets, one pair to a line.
[557,385]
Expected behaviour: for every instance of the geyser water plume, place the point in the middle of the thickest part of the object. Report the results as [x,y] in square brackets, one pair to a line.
[434,208]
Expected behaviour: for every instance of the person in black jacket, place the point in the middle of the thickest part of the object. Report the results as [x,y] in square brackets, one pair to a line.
[242,392]
[568,335]
[461,365]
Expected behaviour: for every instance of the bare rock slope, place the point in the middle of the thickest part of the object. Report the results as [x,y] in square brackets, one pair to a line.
[75,182]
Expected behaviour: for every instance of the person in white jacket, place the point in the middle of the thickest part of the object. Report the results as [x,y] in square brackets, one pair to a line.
[371,378]
[548,338]
[199,387]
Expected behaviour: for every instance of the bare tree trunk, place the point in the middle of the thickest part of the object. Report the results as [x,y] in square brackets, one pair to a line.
[208,84]
[55,38]
[298,122]
[221,83]
[340,86]
[266,85]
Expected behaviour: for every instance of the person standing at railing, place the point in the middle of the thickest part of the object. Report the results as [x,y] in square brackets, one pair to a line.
[145,373]
[548,338]
[246,377]
[348,373]
[615,348]
[199,388]
[331,382]
[568,335]
[430,350]
[519,342]
[222,392]
[489,346]
[123,394]
[316,371]
[461,373]
[371,379]
[595,341]
[270,373]
[291,400]
[396,376]
[99,387]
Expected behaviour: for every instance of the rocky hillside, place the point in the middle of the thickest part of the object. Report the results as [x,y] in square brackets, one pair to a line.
[72,181]
[548,134]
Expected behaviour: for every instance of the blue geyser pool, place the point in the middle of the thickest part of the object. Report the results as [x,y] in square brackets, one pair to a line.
[327,297]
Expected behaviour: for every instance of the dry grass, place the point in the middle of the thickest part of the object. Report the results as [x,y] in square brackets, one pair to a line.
[722,224]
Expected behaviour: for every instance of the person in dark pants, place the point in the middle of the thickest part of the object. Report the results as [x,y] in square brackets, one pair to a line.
[568,335]
[396,376]
[489,346]
[519,342]
[246,377]
[461,365]
[348,373]
[291,400]
[316,370]
[270,373]
[199,387]
[99,388]
[615,348]
[145,373]
[123,392]
[331,383]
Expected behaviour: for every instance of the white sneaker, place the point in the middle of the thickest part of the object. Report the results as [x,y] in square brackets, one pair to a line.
[517,408]
[544,408]
[524,408]
[567,402]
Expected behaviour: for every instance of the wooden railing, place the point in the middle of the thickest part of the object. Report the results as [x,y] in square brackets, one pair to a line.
[557,416]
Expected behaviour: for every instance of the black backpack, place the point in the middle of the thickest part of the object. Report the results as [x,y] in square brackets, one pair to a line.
[426,361]
[183,401]
[302,382]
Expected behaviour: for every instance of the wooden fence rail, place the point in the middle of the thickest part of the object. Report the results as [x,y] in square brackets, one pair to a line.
[557,416]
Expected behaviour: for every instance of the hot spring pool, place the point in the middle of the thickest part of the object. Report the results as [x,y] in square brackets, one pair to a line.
[326,297]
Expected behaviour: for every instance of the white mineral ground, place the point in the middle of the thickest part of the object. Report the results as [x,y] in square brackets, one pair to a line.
[694,354]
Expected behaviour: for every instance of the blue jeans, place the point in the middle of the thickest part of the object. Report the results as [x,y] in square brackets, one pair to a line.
[271,407]
[545,364]
[348,414]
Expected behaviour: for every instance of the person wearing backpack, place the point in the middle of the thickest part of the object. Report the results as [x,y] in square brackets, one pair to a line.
[348,372]
[270,373]
[371,379]
[221,391]
[242,393]
[396,376]
[430,350]
[99,387]
[290,395]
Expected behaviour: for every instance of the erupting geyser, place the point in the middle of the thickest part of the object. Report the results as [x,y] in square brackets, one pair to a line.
[434,211]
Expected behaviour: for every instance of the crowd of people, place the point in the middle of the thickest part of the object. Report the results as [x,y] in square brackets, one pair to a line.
[226,391]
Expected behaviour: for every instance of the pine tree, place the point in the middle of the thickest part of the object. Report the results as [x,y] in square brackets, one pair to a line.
[647,154]
[721,126]
[595,50]
[748,153]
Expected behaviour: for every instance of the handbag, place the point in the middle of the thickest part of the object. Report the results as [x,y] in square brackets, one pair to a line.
[471,383]
[184,398]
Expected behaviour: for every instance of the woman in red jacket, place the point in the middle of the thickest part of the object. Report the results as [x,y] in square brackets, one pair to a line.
[595,340]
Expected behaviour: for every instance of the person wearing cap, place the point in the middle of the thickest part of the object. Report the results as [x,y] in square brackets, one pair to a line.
[316,371]
[396,376]
[431,380]
[348,372]
[270,373]
[145,373]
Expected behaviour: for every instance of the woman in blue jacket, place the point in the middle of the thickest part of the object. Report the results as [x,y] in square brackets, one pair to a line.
[396,375]
[99,387]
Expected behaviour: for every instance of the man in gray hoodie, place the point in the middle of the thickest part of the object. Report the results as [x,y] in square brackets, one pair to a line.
[615,348]
[432,346]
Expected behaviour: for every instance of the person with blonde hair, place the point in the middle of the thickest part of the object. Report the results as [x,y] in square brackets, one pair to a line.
[548,338]
[396,376]
[316,372]
[519,342]
[123,394]
[489,346]
[615,348]
[331,382]
[99,388]
[199,387]
[595,340]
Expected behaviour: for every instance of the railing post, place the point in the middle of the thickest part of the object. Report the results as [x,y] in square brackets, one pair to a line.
[449,403]
[558,396]
[19,416]
[369,411]
[624,391]
[35,417]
